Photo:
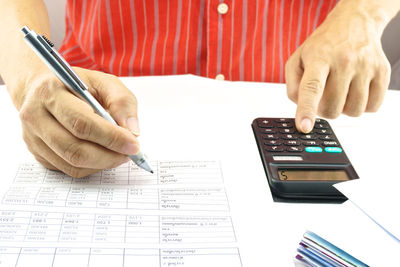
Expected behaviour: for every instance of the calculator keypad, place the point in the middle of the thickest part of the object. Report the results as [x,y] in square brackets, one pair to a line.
[281,136]
[308,158]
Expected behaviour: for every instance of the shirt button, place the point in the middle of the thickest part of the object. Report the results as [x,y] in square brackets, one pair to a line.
[220,77]
[223,8]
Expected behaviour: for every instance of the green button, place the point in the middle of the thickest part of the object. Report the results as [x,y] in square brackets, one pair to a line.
[331,149]
[313,149]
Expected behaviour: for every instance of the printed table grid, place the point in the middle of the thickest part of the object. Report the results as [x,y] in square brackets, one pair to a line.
[185,199]
[119,257]
[125,187]
[166,172]
[35,226]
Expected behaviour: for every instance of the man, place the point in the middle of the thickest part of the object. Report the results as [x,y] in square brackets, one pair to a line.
[339,68]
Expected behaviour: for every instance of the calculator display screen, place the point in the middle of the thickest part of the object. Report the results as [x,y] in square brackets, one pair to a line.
[313,175]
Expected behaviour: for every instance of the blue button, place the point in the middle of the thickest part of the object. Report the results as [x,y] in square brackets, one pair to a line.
[331,149]
[313,149]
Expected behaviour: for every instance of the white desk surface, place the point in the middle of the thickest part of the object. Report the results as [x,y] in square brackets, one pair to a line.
[183,113]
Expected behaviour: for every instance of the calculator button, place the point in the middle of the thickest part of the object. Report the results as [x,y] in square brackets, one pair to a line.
[287,131]
[289,136]
[327,137]
[264,123]
[292,143]
[294,149]
[267,131]
[310,143]
[285,125]
[313,149]
[323,131]
[273,143]
[333,149]
[283,120]
[308,137]
[274,149]
[320,126]
[330,143]
[270,136]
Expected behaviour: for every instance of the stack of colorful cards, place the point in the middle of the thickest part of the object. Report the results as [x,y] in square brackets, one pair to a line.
[315,251]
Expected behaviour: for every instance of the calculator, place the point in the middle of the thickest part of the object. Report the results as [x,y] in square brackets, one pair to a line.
[302,167]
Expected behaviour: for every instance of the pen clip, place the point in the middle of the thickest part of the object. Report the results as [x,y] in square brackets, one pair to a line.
[40,42]
[67,68]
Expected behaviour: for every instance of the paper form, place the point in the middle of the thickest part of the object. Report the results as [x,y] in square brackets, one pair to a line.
[179,216]
[73,256]
[378,200]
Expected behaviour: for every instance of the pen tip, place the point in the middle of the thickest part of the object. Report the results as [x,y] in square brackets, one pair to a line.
[151,171]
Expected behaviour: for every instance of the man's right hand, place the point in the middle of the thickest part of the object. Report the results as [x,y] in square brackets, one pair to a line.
[64,133]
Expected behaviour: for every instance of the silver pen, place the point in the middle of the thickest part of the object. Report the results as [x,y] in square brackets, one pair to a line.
[44,49]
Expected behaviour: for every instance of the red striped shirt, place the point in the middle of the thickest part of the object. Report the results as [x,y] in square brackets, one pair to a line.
[251,42]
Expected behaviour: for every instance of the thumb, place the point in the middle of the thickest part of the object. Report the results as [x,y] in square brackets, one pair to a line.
[310,92]
[123,108]
[120,102]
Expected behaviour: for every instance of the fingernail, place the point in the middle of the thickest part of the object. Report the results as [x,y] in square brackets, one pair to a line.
[133,125]
[306,125]
[130,149]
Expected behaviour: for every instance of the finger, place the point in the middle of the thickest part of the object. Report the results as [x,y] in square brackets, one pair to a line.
[293,74]
[357,97]
[59,163]
[310,91]
[119,100]
[51,160]
[78,153]
[45,163]
[377,89]
[335,93]
[80,120]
